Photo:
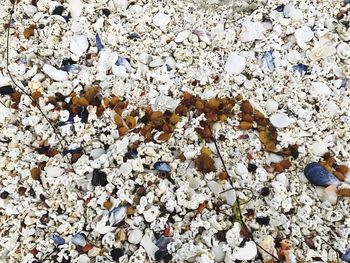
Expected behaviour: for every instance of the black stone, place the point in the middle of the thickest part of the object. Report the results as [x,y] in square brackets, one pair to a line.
[6,90]
[106,12]
[4,195]
[252,167]
[265,191]
[160,254]
[117,253]
[263,220]
[99,178]
[295,153]
[58,10]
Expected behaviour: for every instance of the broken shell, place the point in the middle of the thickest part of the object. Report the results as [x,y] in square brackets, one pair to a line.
[267,60]
[280,120]
[79,240]
[202,35]
[303,35]
[182,36]
[319,176]
[346,256]
[75,8]
[78,45]
[235,64]
[320,51]
[343,50]
[248,252]
[320,89]
[54,73]
[58,240]
[252,31]
[162,167]
[161,20]
[118,214]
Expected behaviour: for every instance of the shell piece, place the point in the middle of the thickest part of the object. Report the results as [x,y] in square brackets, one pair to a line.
[123,62]
[79,44]
[301,68]
[54,73]
[75,8]
[79,240]
[343,50]
[163,242]
[320,89]
[267,60]
[162,167]
[161,19]
[182,36]
[58,240]
[99,45]
[303,35]
[118,214]
[248,252]
[202,35]
[252,31]
[235,64]
[320,51]
[319,176]
[280,120]
[346,255]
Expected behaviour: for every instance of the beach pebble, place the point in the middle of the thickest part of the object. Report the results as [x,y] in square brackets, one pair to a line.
[280,120]
[78,45]
[241,169]
[219,252]
[183,35]
[303,35]
[235,64]
[320,89]
[161,19]
[54,73]
[271,105]
[148,245]
[135,236]
[247,252]
[75,8]
[53,171]
[158,62]
[319,148]
[125,168]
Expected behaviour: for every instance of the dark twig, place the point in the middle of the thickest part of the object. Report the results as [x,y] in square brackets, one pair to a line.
[60,139]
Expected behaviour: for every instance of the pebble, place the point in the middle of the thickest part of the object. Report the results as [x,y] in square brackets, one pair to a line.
[219,253]
[79,45]
[158,62]
[241,169]
[280,120]
[52,171]
[320,89]
[271,105]
[303,35]
[247,252]
[161,20]
[148,245]
[319,176]
[126,168]
[135,236]
[319,148]
[182,36]
[54,73]
[79,240]
[235,64]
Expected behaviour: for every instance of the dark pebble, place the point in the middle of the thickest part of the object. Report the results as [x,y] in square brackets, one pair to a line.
[160,254]
[6,90]
[264,220]
[280,8]
[252,167]
[295,153]
[265,191]
[106,12]
[4,195]
[99,178]
[58,10]
[117,253]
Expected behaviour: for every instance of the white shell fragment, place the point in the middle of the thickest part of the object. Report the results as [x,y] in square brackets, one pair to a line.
[161,20]
[320,89]
[319,148]
[53,171]
[303,35]
[135,236]
[182,36]
[271,105]
[235,64]
[252,31]
[280,120]
[79,44]
[55,74]
[248,252]
[75,8]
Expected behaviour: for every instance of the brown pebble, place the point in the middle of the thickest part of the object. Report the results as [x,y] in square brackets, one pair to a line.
[339,175]
[246,107]
[343,192]
[36,95]
[342,169]
[35,173]
[107,204]
[222,175]
[244,125]
[164,137]
[130,122]
[204,163]
[118,120]
[285,163]
[156,116]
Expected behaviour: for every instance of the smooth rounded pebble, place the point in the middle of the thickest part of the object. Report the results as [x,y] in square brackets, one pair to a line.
[280,120]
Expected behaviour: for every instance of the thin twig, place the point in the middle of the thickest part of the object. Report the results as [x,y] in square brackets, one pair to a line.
[60,139]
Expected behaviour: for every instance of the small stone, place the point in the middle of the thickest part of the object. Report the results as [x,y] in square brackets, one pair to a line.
[271,105]
[248,252]
[158,62]
[280,120]
[52,171]
[182,36]
[161,19]
[35,173]
[235,64]
[148,245]
[54,73]
[117,253]
[79,44]
[252,167]
[4,194]
[125,168]
[319,148]
[219,252]
[241,169]
[135,236]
